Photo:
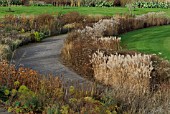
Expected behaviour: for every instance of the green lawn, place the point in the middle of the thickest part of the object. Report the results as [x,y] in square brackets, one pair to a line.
[83,10]
[150,40]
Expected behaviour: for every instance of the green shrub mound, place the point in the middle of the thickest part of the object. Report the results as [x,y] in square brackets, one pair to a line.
[12,2]
[151,4]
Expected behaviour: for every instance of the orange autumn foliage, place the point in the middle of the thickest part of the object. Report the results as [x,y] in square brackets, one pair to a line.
[9,75]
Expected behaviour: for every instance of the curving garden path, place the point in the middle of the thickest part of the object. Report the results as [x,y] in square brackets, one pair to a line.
[44,57]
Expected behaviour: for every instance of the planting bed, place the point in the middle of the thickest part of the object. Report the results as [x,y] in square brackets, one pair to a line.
[91,49]
[19,30]
[81,44]
[134,77]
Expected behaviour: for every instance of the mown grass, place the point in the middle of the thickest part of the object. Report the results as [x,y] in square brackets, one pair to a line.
[35,10]
[154,40]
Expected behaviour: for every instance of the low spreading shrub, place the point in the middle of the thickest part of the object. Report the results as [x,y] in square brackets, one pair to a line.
[38,36]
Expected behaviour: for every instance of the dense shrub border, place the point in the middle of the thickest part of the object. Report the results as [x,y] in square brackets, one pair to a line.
[90,3]
[16,31]
[80,44]
[151,4]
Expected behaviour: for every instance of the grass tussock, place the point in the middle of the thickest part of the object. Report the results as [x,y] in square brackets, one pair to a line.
[137,82]
[123,70]
[78,51]
[142,102]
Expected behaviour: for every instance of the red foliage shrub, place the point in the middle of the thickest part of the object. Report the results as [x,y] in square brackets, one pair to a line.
[8,76]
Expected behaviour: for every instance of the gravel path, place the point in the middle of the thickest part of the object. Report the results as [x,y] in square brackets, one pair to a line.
[45,58]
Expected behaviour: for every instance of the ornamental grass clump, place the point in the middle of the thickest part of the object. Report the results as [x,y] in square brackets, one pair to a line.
[78,50]
[142,102]
[127,71]
[104,27]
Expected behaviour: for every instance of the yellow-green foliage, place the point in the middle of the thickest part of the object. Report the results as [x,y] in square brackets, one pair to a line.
[37,36]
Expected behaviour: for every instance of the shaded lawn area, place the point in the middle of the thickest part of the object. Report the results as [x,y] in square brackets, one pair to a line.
[35,10]
[150,40]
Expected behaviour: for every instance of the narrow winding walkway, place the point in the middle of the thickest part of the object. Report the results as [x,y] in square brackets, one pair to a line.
[44,57]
